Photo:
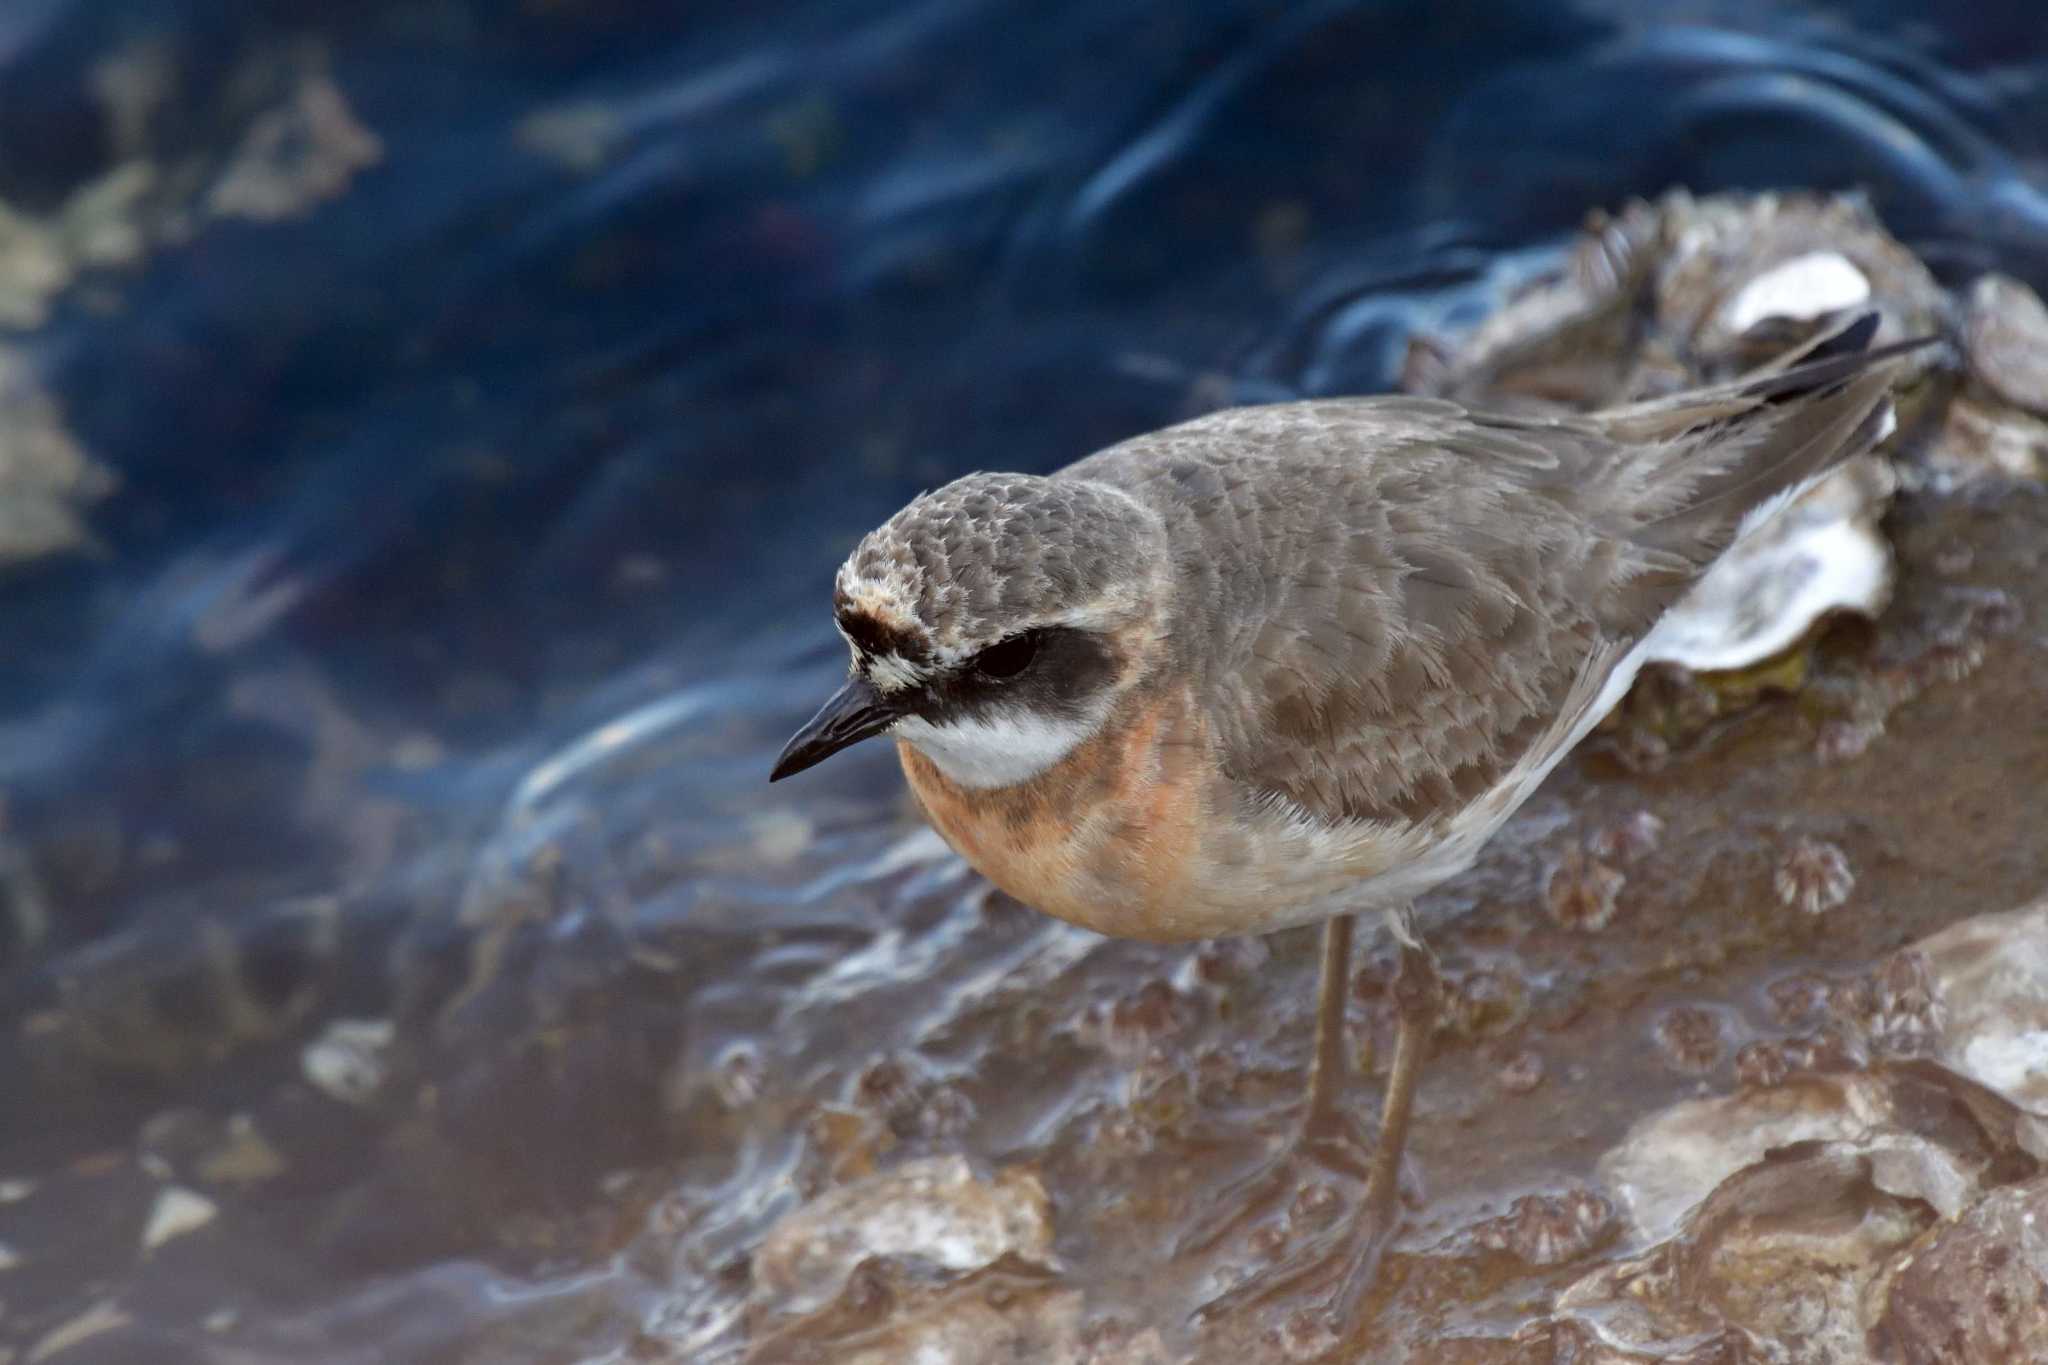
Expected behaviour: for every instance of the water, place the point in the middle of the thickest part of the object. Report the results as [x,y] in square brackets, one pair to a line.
[475,518]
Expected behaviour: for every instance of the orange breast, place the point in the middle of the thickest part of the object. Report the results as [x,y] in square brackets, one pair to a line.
[1106,838]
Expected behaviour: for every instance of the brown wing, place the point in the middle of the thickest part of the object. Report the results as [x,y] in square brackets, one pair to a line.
[1456,603]
[1389,600]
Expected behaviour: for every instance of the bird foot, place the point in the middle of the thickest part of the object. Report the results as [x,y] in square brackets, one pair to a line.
[1294,1205]
[1325,1150]
[1325,1280]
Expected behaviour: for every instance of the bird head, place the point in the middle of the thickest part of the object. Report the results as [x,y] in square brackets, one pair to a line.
[992,624]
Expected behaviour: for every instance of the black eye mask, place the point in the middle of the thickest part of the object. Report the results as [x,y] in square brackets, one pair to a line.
[1053,670]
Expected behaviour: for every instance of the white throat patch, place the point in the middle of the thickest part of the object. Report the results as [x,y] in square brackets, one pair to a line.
[999,750]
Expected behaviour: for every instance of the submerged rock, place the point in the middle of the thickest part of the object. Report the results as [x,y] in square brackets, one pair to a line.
[297,144]
[296,156]
[347,1060]
[177,1211]
[47,480]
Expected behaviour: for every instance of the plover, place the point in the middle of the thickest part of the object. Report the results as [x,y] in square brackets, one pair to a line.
[1295,662]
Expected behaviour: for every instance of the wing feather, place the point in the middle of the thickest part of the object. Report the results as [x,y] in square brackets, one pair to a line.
[1388,601]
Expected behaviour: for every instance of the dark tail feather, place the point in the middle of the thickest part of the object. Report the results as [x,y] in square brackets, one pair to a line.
[1850,340]
[1805,445]
[1765,435]
[1826,360]
[1837,358]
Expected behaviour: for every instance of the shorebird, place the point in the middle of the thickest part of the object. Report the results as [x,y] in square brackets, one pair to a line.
[1296,662]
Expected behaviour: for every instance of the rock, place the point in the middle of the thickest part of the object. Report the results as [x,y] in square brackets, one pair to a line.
[1825,553]
[1726,282]
[1894,1211]
[1990,981]
[296,156]
[933,1210]
[1521,1072]
[888,1312]
[1924,1130]
[131,85]
[177,1212]
[33,269]
[1973,1291]
[347,1060]
[579,137]
[1672,1160]
[1783,1254]
[47,480]
[1978,437]
[2005,340]
[244,1156]
[103,1317]
[1741,275]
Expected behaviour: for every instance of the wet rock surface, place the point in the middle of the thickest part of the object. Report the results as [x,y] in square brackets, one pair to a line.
[931,1209]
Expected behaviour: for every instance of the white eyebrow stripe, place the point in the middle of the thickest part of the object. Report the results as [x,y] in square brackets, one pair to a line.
[890,673]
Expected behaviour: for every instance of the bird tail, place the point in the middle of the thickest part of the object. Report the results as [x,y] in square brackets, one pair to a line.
[1733,454]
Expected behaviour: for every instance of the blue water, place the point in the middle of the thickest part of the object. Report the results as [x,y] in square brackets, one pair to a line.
[421,489]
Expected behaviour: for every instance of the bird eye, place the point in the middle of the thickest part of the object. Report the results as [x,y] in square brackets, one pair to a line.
[1007,658]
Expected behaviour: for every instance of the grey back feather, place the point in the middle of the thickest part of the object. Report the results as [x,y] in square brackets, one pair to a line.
[1385,601]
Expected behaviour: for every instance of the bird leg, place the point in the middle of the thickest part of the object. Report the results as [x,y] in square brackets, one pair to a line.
[1327,1140]
[1326,1070]
[1416,986]
[1337,1264]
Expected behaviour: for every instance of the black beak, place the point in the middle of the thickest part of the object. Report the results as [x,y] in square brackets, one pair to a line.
[856,712]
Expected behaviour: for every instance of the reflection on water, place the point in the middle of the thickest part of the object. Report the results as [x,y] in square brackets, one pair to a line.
[426,430]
